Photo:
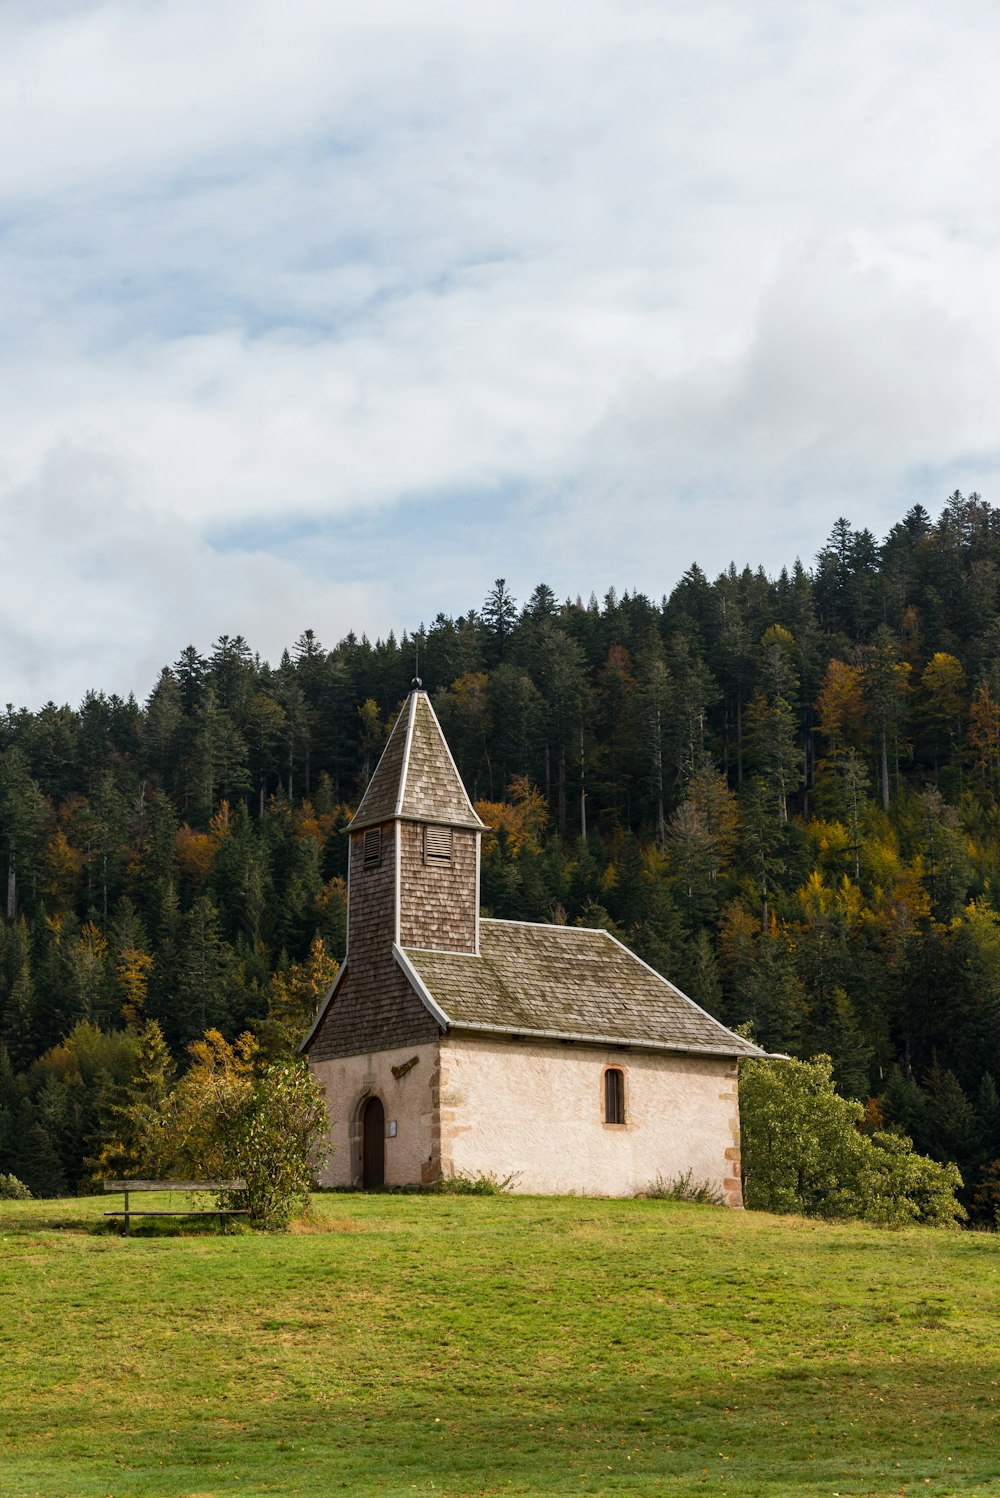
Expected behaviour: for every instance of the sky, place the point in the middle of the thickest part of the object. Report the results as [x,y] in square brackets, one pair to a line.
[325,315]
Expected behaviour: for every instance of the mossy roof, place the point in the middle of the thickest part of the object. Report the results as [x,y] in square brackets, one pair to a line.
[567,983]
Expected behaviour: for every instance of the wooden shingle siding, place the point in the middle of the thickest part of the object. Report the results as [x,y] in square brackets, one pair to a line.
[372,1013]
[433,789]
[371,913]
[437,900]
[374,1007]
[378,803]
[416,778]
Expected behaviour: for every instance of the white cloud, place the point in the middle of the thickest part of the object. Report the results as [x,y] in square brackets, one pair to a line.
[690,280]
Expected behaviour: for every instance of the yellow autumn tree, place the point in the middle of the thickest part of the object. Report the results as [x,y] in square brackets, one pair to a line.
[942,700]
[984,736]
[522,818]
[294,997]
[840,707]
[132,971]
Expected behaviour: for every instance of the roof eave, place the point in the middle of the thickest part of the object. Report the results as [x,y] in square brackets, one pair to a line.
[754,1051]
[420,988]
[634,1043]
[359,824]
[321,1011]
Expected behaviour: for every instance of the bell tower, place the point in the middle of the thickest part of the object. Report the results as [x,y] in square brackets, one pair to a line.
[414,856]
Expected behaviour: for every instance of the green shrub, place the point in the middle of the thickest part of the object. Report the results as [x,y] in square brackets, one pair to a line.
[231,1114]
[13,1190]
[485,1184]
[803,1152]
[684,1188]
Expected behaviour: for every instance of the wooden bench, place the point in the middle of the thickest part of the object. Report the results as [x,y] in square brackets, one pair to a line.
[220,1212]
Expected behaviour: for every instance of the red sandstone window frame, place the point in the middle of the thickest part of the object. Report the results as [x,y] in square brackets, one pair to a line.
[613,1097]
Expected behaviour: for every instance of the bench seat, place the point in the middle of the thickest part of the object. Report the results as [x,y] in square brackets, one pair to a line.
[126,1187]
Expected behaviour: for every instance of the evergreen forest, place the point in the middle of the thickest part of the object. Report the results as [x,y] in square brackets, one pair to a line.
[782,792]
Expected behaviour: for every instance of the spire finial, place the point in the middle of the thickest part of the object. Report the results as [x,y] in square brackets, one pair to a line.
[416,683]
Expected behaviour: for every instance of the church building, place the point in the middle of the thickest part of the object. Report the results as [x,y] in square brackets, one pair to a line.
[450,1044]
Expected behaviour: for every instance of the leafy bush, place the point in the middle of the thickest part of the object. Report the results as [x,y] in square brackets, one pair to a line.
[13,1190]
[231,1115]
[684,1188]
[486,1184]
[802,1152]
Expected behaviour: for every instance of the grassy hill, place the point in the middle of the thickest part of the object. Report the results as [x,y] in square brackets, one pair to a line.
[462,1345]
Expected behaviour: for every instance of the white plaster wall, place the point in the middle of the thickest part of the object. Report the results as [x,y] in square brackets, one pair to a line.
[537,1110]
[410,1101]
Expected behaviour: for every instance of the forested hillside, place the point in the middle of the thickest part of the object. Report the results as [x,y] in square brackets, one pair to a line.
[783,792]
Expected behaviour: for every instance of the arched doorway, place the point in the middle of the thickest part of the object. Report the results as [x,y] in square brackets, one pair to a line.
[373,1145]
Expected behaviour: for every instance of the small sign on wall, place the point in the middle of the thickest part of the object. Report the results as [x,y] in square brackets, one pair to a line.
[392,1128]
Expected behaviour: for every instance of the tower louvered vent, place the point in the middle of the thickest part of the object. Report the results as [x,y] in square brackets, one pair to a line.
[373,847]
[437,844]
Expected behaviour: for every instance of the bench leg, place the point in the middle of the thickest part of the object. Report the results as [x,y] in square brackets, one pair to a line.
[126,1214]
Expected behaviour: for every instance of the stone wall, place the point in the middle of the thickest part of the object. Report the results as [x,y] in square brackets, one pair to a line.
[412,1156]
[536,1112]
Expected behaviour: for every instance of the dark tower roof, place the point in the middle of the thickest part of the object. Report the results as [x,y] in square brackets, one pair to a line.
[416,779]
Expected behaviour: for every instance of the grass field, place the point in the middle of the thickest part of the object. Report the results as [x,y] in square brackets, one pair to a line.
[460,1345]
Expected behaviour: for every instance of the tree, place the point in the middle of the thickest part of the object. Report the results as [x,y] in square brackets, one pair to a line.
[134,1129]
[615,694]
[22,824]
[194,979]
[231,671]
[294,999]
[232,1116]
[36,1159]
[803,1152]
[190,671]
[516,714]
[763,988]
[942,700]
[841,707]
[464,711]
[693,688]
[162,728]
[773,721]
[761,843]
[18,1017]
[265,722]
[854,783]
[654,696]
[218,767]
[557,666]
[886,684]
[499,617]
[984,736]
[946,857]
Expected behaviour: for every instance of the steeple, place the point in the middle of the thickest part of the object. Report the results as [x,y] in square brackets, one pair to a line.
[416,779]
[414,863]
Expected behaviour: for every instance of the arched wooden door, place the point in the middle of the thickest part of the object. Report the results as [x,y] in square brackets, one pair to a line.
[373,1145]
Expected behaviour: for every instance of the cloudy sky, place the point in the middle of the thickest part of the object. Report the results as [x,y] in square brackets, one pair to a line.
[318,314]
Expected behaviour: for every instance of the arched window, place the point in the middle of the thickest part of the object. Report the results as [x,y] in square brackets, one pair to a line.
[614,1095]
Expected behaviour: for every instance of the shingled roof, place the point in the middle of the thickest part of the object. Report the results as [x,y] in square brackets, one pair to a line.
[416,779]
[562,982]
